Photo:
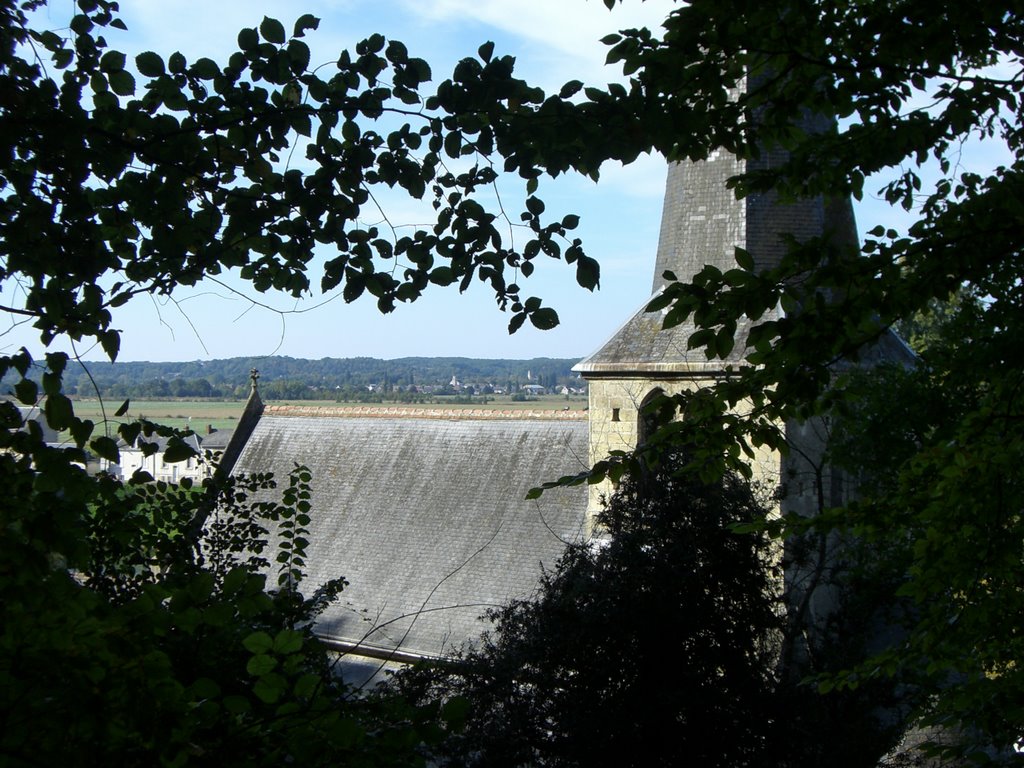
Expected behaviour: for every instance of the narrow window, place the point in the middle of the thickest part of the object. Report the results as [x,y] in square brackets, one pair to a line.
[649,417]
[615,414]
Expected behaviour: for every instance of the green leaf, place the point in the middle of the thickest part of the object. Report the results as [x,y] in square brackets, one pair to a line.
[204,688]
[270,687]
[234,581]
[26,391]
[659,302]
[59,412]
[486,51]
[56,362]
[588,272]
[442,276]
[149,64]
[129,432]
[178,450]
[260,664]
[258,642]
[81,431]
[111,343]
[205,69]
[304,23]
[81,24]
[453,144]
[122,83]
[287,641]
[176,63]
[306,686]
[112,61]
[570,89]
[236,705]
[248,39]
[744,259]
[298,53]
[62,58]
[545,318]
[106,448]
[272,30]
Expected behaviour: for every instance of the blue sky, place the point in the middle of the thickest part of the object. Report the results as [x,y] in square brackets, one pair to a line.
[553,41]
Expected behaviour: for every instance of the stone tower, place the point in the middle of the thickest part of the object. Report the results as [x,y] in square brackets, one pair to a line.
[702,223]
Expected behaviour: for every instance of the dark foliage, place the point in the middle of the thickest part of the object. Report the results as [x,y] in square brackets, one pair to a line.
[657,647]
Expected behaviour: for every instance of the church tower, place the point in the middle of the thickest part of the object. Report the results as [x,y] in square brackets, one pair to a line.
[702,223]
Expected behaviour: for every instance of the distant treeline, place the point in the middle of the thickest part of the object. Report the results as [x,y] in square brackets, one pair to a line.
[358,378]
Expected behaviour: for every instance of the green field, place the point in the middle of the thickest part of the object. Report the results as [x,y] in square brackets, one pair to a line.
[220,414]
[223,414]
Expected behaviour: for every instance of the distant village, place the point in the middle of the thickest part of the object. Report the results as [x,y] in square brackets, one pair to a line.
[532,387]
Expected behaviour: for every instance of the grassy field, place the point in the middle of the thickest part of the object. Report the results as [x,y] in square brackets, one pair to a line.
[220,414]
[223,414]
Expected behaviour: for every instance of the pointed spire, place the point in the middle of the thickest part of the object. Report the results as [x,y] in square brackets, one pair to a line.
[703,223]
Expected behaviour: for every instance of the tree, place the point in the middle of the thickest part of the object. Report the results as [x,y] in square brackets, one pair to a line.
[661,644]
[158,648]
[165,172]
[655,647]
[939,519]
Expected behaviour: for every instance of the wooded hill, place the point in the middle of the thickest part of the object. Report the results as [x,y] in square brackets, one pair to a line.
[288,377]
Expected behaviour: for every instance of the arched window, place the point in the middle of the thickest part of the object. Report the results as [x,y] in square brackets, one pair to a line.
[649,416]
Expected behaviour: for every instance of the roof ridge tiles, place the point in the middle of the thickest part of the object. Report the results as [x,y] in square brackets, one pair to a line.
[397,412]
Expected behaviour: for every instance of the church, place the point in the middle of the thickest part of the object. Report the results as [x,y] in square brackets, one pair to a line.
[423,511]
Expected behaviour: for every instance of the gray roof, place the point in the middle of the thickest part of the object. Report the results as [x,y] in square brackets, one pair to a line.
[426,517]
[643,346]
[217,440]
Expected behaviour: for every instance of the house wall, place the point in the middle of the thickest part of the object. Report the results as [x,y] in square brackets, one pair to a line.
[132,461]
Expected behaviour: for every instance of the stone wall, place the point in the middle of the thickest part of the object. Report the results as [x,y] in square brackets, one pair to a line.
[614,422]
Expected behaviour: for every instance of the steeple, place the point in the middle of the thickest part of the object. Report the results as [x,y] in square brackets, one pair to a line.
[701,220]
[703,223]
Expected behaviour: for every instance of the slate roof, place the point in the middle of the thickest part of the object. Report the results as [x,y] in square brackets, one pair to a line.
[642,346]
[426,517]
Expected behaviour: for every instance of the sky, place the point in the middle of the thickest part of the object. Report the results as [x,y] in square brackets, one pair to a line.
[553,41]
